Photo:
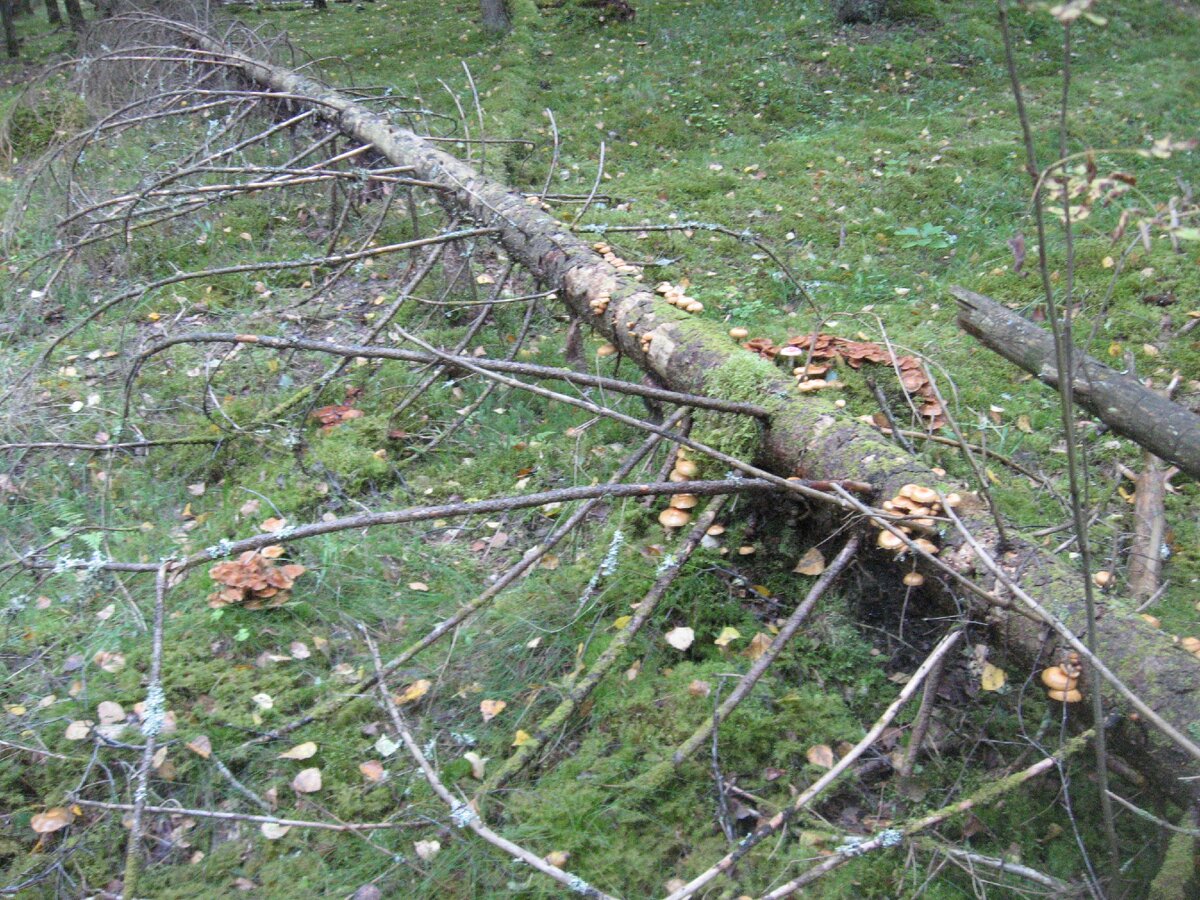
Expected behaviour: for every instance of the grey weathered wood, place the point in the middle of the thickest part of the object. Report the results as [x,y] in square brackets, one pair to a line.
[1124,404]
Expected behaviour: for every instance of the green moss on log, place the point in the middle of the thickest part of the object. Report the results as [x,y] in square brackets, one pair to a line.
[741,377]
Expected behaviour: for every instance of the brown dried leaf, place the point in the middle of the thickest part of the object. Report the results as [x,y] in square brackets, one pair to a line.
[811,563]
[201,746]
[109,712]
[372,770]
[821,755]
[307,781]
[109,661]
[759,644]
[427,850]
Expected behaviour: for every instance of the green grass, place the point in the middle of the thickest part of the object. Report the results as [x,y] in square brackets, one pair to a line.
[882,162]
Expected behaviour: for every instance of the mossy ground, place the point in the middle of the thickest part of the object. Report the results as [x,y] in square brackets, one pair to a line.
[828,142]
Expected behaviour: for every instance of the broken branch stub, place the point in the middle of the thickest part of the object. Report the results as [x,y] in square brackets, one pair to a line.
[806,436]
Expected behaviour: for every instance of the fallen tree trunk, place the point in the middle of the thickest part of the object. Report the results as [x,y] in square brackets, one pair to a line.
[806,435]
[1124,404]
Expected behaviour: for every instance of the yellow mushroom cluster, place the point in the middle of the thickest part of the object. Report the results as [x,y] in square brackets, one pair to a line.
[599,303]
[625,268]
[677,514]
[1062,681]
[918,505]
[674,294]
[1191,645]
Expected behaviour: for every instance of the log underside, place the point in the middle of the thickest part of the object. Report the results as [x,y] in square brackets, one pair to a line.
[806,435]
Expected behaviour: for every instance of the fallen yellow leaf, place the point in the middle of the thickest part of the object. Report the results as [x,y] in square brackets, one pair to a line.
[301,751]
[992,677]
[491,708]
[414,691]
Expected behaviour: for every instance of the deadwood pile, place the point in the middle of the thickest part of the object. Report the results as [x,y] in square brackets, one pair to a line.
[809,449]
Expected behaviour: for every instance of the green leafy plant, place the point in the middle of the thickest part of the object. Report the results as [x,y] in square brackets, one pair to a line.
[933,237]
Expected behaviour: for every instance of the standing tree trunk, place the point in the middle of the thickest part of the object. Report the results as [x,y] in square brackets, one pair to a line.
[320,4]
[53,13]
[75,13]
[10,31]
[495,16]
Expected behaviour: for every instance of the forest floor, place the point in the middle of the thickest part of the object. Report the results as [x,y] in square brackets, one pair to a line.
[882,164]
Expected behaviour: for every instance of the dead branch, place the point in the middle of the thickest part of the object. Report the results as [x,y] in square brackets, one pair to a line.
[450,361]
[1149,520]
[463,814]
[247,817]
[1180,741]
[152,723]
[418,514]
[1003,866]
[241,268]
[465,414]
[579,691]
[893,837]
[746,683]
[809,436]
[924,717]
[816,788]
[531,558]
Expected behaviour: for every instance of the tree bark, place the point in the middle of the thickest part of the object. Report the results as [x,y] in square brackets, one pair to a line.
[1149,529]
[75,14]
[495,16]
[806,435]
[1128,407]
[11,46]
[53,13]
